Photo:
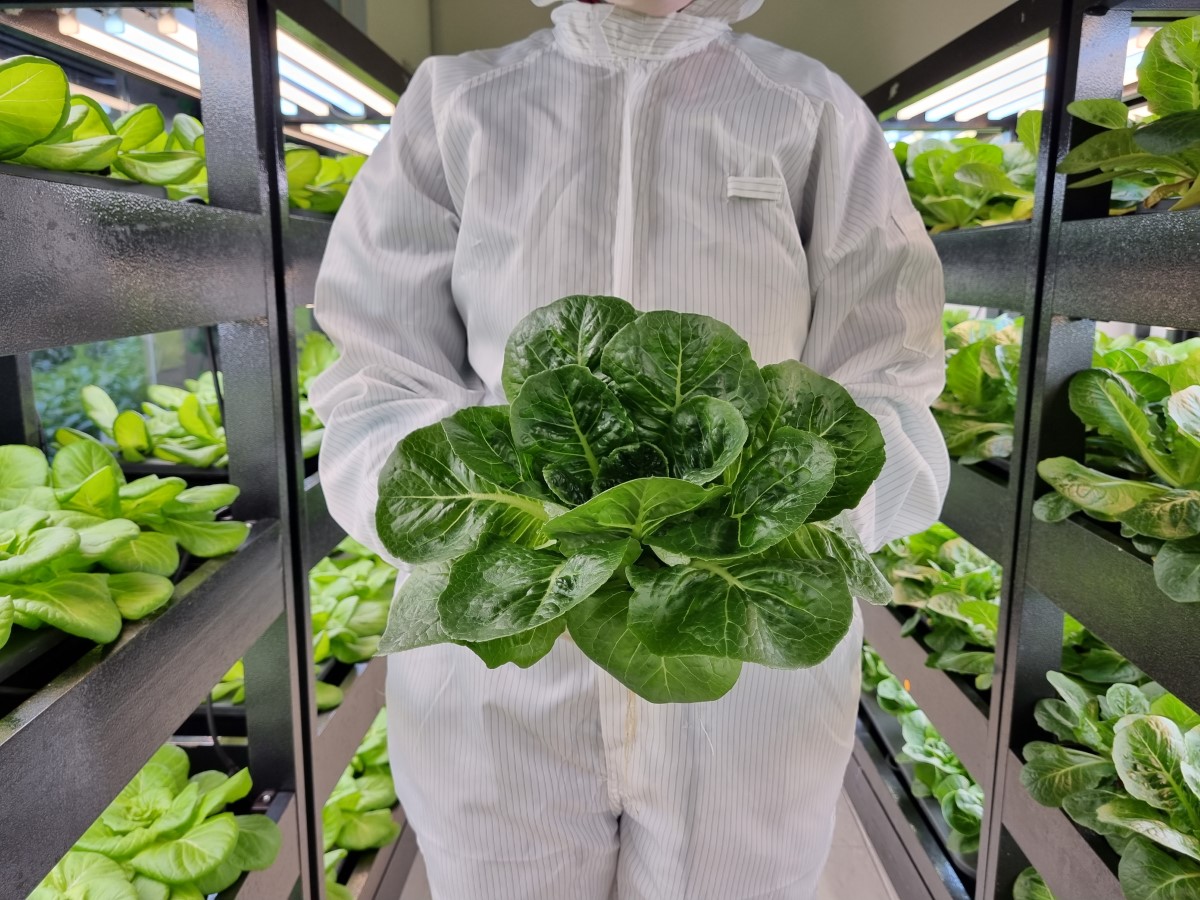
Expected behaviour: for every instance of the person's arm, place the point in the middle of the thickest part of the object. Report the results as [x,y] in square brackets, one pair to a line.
[383,295]
[877,298]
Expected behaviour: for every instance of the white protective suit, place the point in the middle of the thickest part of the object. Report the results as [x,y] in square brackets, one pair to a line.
[678,165]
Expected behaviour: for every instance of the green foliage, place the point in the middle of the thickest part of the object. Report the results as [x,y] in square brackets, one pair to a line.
[1159,157]
[1141,405]
[936,771]
[180,425]
[651,490]
[316,354]
[350,593]
[319,182]
[166,835]
[61,373]
[1127,767]
[954,592]
[358,814]
[968,182]
[1030,886]
[81,550]
[975,410]
[43,125]
[183,425]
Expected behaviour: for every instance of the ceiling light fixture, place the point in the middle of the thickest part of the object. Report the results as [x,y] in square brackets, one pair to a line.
[68,22]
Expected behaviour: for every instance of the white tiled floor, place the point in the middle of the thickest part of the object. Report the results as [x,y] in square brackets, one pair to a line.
[853,872]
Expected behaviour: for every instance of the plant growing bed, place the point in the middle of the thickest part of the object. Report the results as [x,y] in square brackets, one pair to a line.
[890,737]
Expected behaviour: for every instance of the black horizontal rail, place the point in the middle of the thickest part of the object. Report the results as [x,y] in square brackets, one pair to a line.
[987,267]
[1098,578]
[1138,268]
[1054,846]
[279,881]
[87,264]
[341,730]
[960,718]
[69,749]
[931,874]
[322,533]
[303,249]
[979,507]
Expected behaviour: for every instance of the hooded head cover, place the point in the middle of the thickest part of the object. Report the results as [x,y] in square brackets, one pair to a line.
[721,10]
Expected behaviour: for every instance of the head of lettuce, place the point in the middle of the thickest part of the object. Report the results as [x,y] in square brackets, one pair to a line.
[648,489]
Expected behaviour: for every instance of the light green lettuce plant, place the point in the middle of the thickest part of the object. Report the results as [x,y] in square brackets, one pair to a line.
[81,549]
[166,837]
[967,182]
[350,594]
[358,814]
[1143,415]
[975,411]
[937,771]
[954,592]
[1158,157]
[1126,766]
[649,488]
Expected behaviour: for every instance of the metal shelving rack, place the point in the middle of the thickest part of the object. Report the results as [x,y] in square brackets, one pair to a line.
[88,262]
[1068,268]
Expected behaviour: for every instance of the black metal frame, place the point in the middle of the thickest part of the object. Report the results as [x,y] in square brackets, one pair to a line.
[88,262]
[1071,266]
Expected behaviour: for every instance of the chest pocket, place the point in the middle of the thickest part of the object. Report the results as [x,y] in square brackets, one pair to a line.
[768,189]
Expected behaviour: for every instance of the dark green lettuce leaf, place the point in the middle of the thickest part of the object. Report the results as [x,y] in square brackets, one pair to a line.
[572,331]
[665,358]
[600,628]
[783,614]
[797,397]
[432,507]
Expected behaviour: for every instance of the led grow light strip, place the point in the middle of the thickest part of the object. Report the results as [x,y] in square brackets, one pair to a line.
[340,137]
[302,99]
[139,57]
[319,65]
[1019,60]
[1034,87]
[1024,104]
[986,92]
[300,76]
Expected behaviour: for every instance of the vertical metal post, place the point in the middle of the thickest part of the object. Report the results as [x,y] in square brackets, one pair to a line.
[238,73]
[18,412]
[1087,46]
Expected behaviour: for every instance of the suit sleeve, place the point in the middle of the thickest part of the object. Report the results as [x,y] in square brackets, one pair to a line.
[877,293]
[383,295]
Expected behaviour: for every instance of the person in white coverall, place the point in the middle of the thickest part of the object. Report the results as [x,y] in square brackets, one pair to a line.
[642,150]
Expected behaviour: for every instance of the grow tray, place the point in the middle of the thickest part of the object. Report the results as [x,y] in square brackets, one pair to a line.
[980,699]
[84,179]
[889,736]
